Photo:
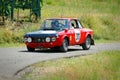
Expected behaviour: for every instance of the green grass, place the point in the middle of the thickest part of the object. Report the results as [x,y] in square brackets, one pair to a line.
[13,35]
[102,16]
[97,41]
[100,66]
[6,45]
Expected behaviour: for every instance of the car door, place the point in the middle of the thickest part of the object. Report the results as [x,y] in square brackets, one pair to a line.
[76,30]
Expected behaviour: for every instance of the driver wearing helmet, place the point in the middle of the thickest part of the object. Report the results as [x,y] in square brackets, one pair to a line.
[55,24]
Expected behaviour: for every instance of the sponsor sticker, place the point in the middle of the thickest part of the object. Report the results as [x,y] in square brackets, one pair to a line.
[77,35]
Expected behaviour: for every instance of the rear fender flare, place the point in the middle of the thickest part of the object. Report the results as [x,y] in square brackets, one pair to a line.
[92,41]
[87,34]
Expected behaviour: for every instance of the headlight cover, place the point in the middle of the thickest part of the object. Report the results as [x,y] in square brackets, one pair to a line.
[47,39]
[53,39]
[29,39]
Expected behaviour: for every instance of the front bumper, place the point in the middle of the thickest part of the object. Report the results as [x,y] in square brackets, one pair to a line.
[43,45]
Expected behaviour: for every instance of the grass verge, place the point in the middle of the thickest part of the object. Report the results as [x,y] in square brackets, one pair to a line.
[6,45]
[100,66]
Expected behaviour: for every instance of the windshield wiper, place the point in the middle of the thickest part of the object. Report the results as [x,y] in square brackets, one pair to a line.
[48,29]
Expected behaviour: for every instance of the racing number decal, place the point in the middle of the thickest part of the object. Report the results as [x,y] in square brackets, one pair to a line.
[77,35]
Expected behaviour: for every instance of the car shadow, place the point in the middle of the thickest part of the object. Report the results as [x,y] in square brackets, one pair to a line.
[51,51]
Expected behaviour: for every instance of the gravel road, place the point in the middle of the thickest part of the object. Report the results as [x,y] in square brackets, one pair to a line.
[12,60]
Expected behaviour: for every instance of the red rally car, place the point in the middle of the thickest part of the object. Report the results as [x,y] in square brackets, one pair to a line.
[59,33]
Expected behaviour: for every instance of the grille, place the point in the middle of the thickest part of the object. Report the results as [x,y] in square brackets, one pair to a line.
[38,40]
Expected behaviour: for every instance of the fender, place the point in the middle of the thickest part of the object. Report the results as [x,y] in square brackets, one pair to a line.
[87,34]
[61,37]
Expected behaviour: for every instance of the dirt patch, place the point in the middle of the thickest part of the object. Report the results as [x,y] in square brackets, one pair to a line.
[42,71]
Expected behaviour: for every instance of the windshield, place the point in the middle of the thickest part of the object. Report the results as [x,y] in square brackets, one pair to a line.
[54,24]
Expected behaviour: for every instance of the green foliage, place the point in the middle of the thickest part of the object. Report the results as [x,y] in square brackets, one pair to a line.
[4,8]
[7,36]
[100,66]
[15,33]
[54,2]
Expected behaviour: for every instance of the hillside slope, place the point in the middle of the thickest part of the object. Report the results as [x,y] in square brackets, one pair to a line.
[102,16]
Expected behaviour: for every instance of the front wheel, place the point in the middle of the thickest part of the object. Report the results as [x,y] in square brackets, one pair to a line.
[64,46]
[87,43]
[30,49]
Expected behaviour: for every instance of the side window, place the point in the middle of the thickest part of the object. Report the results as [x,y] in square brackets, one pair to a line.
[79,24]
[73,24]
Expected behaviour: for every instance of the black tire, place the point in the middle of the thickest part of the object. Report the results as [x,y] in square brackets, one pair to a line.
[87,44]
[64,47]
[30,49]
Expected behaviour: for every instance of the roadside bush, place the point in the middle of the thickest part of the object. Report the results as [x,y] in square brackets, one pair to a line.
[5,36]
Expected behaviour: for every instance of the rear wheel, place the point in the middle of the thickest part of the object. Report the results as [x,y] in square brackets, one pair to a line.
[87,43]
[64,46]
[30,49]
